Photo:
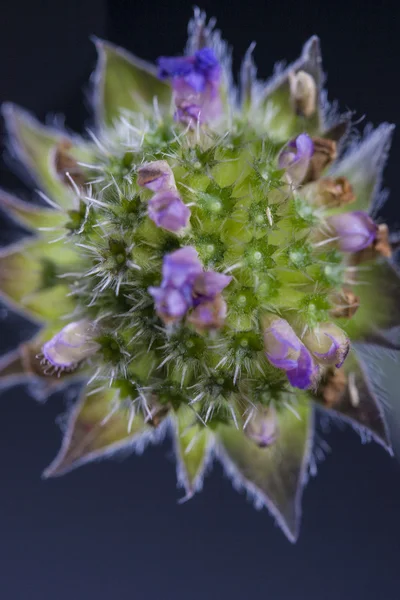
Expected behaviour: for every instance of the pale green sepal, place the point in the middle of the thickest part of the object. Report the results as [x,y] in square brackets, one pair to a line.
[29,279]
[274,104]
[193,447]
[363,166]
[382,367]
[273,476]
[31,216]
[35,146]
[99,425]
[123,82]
[358,405]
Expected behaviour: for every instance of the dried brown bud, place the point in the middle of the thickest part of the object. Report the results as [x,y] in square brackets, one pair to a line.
[380,247]
[65,163]
[334,387]
[325,153]
[346,304]
[303,93]
[330,192]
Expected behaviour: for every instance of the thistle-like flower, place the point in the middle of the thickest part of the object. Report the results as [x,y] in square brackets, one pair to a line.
[210,263]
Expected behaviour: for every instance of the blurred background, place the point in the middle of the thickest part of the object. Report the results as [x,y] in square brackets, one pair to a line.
[114,529]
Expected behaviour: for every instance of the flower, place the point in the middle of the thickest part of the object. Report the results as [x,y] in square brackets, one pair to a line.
[168,211]
[328,344]
[285,351]
[156,176]
[195,81]
[262,427]
[295,158]
[354,230]
[184,285]
[70,346]
[208,285]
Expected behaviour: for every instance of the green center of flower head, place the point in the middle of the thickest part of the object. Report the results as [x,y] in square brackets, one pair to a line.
[209,254]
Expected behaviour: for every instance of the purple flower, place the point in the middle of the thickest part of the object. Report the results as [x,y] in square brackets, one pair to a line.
[295,157]
[171,304]
[184,286]
[156,176]
[71,345]
[262,427]
[355,230]
[181,267]
[168,211]
[195,81]
[208,285]
[196,71]
[285,351]
[174,297]
[328,344]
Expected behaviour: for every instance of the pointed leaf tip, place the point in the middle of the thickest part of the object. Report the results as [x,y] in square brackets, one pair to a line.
[273,476]
[124,82]
[35,146]
[193,447]
[98,426]
[285,115]
[29,215]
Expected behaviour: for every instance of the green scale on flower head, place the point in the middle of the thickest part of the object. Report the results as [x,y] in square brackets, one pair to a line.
[209,262]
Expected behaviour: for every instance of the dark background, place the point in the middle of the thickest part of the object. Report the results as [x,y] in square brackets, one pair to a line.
[114,529]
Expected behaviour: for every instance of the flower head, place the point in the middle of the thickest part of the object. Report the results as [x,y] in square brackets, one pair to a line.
[295,157]
[207,351]
[355,230]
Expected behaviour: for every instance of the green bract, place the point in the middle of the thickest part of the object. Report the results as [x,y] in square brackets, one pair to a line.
[220,389]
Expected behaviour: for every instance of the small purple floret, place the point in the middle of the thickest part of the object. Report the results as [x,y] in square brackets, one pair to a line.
[295,157]
[184,285]
[355,230]
[285,351]
[195,81]
[168,211]
[73,344]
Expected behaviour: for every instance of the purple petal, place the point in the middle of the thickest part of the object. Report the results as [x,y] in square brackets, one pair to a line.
[295,158]
[355,230]
[168,211]
[170,66]
[171,304]
[208,285]
[282,344]
[303,376]
[156,176]
[181,267]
